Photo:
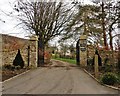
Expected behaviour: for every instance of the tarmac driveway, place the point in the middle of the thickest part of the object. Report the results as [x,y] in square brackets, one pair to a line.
[55,80]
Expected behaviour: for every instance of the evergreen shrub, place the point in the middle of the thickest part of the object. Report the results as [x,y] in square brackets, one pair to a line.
[109,78]
[18,61]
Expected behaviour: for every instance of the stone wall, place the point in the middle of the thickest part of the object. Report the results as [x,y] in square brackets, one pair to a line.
[0,50]
[10,46]
[113,56]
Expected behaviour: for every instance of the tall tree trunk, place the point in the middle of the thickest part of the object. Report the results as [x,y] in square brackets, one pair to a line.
[41,48]
[111,40]
[103,26]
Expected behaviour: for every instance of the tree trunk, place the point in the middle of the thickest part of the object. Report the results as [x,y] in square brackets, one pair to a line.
[103,26]
[111,40]
[40,52]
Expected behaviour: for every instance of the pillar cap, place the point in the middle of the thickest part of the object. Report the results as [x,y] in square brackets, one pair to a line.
[83,37]
[34,38]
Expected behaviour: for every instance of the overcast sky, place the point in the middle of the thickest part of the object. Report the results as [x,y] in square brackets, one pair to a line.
[9,26]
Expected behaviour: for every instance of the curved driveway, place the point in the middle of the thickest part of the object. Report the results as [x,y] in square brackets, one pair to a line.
[55,80]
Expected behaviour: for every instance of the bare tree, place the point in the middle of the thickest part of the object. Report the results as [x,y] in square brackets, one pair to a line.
[1,20]
[45,19]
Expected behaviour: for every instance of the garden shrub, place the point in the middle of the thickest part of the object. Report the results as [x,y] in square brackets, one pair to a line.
[18,61]
[17,67]
[90,61]
[47,57]
[8,66]
[109,78]
[118,80]
[108,68]
[118,64]
[106,60]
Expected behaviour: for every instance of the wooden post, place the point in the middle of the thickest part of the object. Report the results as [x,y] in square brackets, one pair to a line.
[96,65]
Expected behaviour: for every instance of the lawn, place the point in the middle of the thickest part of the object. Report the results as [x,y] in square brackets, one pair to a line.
[72,61]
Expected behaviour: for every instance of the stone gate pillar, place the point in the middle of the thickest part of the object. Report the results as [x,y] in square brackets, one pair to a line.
[83,50]
[34,50]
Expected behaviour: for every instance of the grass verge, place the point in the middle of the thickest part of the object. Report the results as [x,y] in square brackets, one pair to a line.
[72,61]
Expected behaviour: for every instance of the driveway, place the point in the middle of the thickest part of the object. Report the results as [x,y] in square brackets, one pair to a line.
[62,79]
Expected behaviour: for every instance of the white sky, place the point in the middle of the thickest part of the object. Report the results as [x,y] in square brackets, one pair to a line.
[9,26]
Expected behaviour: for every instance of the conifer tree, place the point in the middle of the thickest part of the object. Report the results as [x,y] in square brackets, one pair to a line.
[18,61]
